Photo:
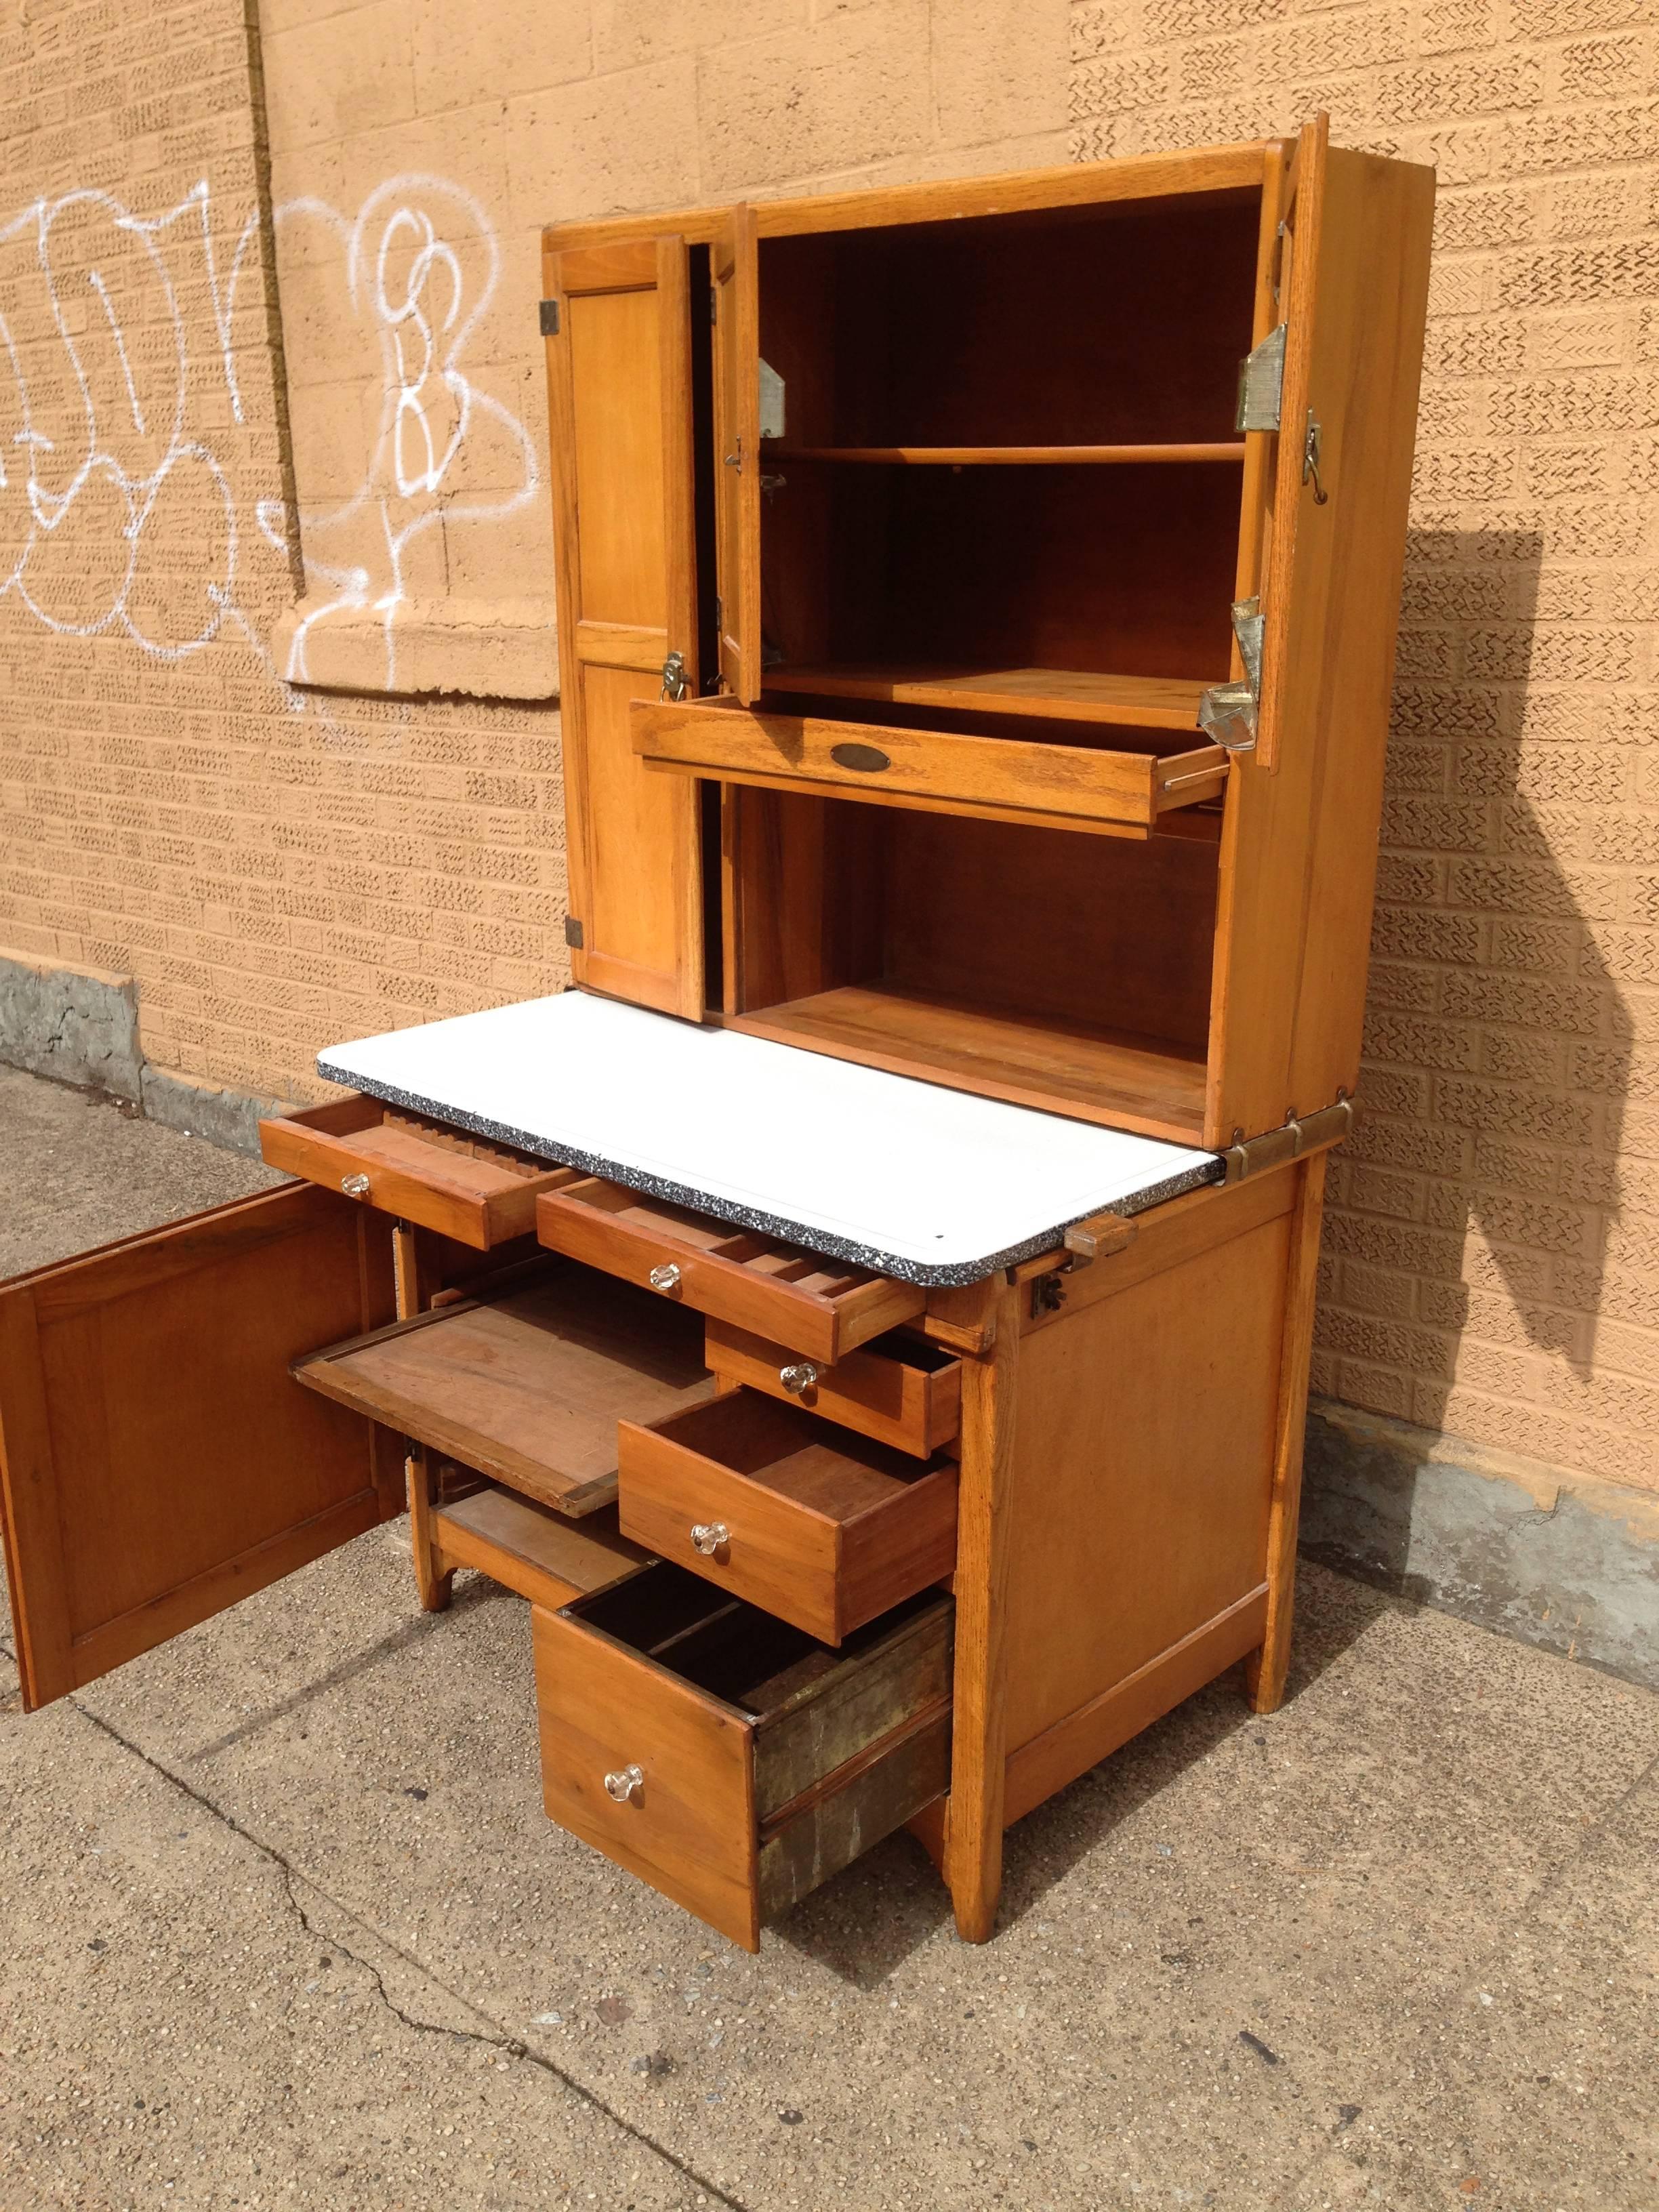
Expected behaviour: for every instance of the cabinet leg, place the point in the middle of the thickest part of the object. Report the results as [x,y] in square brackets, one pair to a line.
[1265,1669]
[433,1580]
[973,1813]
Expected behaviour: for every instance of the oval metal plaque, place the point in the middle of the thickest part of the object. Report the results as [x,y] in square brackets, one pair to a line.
[868,758]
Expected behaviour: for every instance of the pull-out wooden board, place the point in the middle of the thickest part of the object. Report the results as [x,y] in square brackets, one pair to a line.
[527,1386]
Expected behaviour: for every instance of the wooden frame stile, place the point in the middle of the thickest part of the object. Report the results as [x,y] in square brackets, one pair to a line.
[619,407]
[734,276]
[157,1461]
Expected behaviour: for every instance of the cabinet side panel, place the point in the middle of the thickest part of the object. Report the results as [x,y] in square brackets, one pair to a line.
[1299,861]
[1143,1469]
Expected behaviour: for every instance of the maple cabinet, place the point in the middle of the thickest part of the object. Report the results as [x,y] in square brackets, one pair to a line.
[868,1318]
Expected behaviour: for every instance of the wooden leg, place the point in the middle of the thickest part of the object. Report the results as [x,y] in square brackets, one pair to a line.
[1265,1669]
[973,1816]
[411,1279]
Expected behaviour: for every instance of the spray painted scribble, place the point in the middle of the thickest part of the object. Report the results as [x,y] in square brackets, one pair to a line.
[118,515]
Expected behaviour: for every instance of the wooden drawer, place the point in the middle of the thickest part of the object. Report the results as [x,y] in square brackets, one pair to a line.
[818,1306]
[1070,785]
[778,1506]
[479,1193]
[723,1756]
[898,1388]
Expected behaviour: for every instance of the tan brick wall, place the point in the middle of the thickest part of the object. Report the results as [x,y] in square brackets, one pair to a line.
[282,866]
[1491,1262]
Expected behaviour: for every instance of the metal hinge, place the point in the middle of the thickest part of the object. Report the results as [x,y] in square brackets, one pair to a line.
[550,314]
[1227,712]
[675,681]
[1310,1133]
[573,933]
[1261,383]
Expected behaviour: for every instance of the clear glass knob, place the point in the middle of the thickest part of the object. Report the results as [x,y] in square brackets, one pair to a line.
[355,1185]
[665,1278]
[707,1536]
[623,1783]
[799,1379]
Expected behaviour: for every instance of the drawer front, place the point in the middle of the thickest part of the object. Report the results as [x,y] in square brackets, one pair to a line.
[904,1394]
[688,1827]
[1070,783]
[758,1499]
[817,1306]
[480,1194]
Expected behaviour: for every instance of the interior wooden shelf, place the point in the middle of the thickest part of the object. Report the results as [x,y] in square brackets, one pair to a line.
[1159,702]
[957,457]
[1146,1084]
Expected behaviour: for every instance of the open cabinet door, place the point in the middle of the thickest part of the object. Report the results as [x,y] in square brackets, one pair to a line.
[157,1460]
[1354,291]
[620,406]
[735,265]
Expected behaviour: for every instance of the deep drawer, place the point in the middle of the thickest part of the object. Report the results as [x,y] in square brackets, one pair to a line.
[726,1759]
[480,1194]
[899,1389]
[1070,785]
[821,1307]
[823,1529]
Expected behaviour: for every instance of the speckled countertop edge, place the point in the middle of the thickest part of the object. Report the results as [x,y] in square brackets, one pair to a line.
[896,1265]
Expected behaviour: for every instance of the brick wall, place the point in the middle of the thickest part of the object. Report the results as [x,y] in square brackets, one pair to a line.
[225,510]
[1492,1261]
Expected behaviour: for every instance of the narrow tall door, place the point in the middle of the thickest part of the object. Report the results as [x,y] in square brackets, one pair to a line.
[620,400]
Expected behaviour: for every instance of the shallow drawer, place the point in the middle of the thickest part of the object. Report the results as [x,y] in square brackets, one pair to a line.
[823,1529]
[725,1758]
[818,1306]
[525,1384]
[1068,783]
[543,1555]
[480,1194]
[899,1389]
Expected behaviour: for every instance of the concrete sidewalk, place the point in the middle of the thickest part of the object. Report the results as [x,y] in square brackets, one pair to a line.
[286,1925]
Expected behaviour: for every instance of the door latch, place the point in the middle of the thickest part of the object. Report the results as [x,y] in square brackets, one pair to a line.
[1310,460]
[676,678]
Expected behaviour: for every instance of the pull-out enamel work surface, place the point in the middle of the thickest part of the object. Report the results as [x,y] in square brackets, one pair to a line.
[925,1183]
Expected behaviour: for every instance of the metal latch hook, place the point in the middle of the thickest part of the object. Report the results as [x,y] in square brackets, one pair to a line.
[1310,460]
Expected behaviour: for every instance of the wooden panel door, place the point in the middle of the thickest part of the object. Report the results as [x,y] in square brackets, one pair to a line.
[1298,855]
[734,267]
[157,1460]
[619,391]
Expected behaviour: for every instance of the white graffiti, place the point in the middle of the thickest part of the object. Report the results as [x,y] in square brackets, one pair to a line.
[118,383]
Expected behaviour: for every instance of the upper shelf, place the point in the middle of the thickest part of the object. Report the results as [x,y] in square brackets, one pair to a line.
[1158,703]
[1006,456]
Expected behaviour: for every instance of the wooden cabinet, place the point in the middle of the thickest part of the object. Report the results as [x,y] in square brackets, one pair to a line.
[976,609]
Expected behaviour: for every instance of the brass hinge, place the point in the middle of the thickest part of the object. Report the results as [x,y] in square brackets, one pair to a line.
[1227,712]
[550,317]
[573,933]
[1308,1132]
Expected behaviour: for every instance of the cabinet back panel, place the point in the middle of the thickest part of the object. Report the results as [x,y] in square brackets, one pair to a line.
[1101,324]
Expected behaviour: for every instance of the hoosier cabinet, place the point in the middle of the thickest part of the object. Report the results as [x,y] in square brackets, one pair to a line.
[867,1317]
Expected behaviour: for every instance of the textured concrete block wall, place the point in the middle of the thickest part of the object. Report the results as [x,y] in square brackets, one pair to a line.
[278,731]
[1492,1263]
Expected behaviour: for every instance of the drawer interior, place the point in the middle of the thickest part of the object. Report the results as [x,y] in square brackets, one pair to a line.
[372,1130]
[811,1462]
[767,1258]
[527,1383]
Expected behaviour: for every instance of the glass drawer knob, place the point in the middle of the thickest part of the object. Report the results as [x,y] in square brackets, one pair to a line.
[665,1278]
[355,1185]
[623,1783]
[708,1536]
[799,1379]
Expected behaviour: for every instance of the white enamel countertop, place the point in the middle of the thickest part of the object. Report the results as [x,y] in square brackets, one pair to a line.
[926,1183]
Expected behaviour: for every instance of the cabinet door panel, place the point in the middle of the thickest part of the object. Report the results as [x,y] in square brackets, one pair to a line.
[734,264]
[619,391]
[157,1460]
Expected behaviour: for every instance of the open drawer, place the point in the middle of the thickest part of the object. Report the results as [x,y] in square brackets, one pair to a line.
[480,1194]
[1058,779]
[898,1388]
[527,1382]
[821,1307]
[726,1759]
[778,1506]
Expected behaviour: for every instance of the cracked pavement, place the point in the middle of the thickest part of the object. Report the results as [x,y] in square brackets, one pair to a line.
[286,1925]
